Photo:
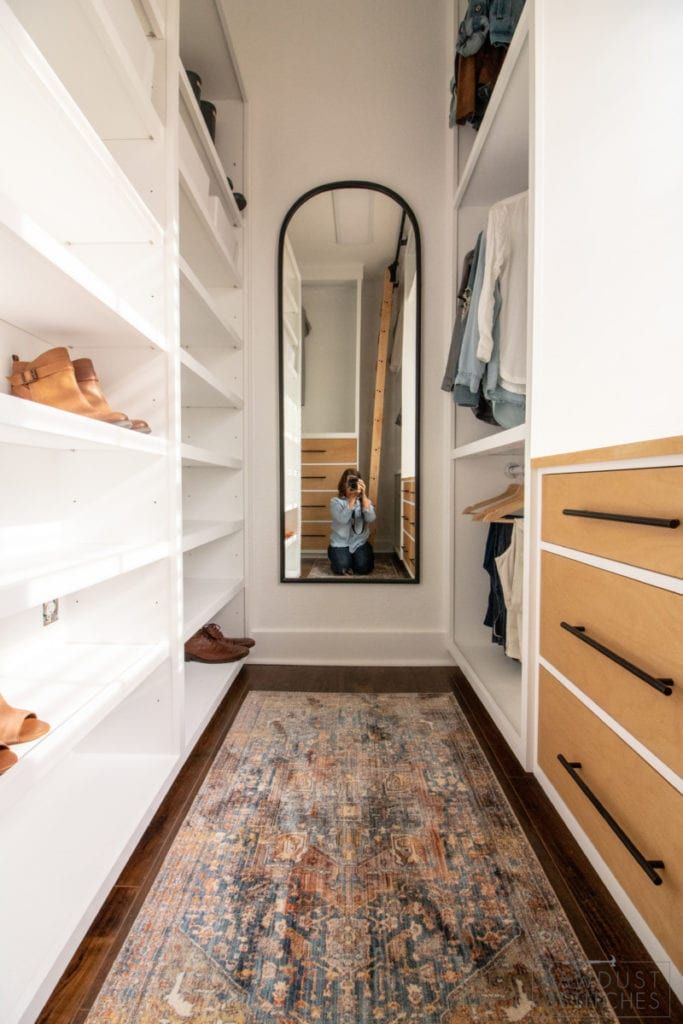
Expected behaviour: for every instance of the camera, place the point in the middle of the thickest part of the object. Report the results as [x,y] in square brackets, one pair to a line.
[352,483]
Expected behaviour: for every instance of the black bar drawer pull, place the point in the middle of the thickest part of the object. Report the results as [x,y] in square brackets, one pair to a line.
[668,524]
[648,866]
[312,477]
[663,686]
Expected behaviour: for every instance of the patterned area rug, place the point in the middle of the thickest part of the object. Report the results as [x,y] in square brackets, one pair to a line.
[351,859]
[385,569]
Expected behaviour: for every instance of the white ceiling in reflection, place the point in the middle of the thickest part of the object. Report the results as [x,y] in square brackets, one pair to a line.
[313,230]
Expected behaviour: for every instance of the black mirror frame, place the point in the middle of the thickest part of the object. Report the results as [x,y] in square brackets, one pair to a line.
[332,186]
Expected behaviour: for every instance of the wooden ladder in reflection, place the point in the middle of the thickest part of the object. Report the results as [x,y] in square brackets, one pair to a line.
[380,384]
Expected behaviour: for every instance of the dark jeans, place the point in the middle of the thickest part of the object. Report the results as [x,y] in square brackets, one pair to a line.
[362,561]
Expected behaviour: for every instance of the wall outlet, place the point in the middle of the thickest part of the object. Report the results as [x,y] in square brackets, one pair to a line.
[50,612]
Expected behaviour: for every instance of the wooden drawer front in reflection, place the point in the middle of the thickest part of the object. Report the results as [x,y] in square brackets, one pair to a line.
[410,565]
[638,799]
[408,517]
[329,449]
[408,488]
[644,494]
[641,624]
[315,506]
[315,537]
[409,547]
[320,478]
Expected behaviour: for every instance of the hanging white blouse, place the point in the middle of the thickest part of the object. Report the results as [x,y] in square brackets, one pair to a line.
[507,247]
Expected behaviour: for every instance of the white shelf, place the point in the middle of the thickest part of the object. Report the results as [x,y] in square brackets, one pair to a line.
[290,301]
[291,541]
[192,455]
[291,334]
[40,426]
[498,164]
[92,55]
[504,442]
[197,532]
[205,688]
[97,805]
[201,323]
[61,173]
[220,177]
[200,387]
[155,18]
[203,598]
[75,305]
[497,680]
[29,578]
[200,243]
[205,47]
[72,687]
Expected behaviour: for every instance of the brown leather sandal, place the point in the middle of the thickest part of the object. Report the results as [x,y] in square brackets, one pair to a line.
[7,758]
[18,726]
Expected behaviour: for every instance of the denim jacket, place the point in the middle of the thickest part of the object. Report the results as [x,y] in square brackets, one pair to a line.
[498,18]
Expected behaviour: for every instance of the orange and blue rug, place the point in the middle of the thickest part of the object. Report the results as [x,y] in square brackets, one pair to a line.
[351,859]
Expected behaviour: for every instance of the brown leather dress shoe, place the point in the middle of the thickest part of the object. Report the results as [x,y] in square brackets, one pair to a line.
[214,630]
[51,380]
[89,383]
[206,648]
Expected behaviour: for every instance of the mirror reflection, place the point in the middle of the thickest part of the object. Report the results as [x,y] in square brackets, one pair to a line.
[349,335]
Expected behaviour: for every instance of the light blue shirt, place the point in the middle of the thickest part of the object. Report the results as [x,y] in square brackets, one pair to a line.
[349,529]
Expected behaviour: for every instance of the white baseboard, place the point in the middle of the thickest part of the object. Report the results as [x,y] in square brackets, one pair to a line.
[348,647]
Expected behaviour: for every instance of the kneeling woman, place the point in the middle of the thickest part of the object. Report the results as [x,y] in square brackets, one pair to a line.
[350,552]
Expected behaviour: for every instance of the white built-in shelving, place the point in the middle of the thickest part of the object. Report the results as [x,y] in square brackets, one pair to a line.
[138,536]
[487,166]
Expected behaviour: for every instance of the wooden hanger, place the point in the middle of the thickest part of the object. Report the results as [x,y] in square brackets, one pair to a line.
[498,512]
[514,498]
[509,492]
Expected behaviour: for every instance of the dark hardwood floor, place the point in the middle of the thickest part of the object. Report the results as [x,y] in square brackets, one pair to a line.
[633,983]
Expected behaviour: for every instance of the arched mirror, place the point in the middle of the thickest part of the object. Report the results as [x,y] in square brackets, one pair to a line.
[349,352]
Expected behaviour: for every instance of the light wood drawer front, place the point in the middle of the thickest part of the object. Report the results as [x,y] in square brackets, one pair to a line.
[410,564]
[409,546]
[320,478]
[656,493]
[315,538]
[644,805]
[329,449]
[408,518]
[641,624]
[316,506]
[408,488]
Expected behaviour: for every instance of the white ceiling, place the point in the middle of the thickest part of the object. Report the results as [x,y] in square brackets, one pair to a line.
[311,233]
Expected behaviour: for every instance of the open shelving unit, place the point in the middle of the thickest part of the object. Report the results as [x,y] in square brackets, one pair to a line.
[138,537]
[487,166]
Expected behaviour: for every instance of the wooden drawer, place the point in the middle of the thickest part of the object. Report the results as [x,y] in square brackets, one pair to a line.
[320,477]
[315,538]
[316,507]
[409,546]
[644,805]
[410,564]
[408,488]
[408,516]
[330,449]
[656,493]
[641,624]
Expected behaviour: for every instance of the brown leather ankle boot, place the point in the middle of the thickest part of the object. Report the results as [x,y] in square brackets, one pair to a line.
[89,383]
[51,380]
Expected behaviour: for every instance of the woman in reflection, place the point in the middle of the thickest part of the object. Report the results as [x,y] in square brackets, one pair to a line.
[350,552]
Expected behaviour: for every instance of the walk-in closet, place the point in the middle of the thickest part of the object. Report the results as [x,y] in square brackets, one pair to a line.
[341,542]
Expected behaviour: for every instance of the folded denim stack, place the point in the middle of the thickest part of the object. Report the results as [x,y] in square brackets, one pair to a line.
[483,38]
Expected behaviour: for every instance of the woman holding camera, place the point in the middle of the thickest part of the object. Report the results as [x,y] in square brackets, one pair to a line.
[350,552]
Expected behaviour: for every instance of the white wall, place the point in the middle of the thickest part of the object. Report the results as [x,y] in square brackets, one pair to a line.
[330,359]
[340,91]
[608,334]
